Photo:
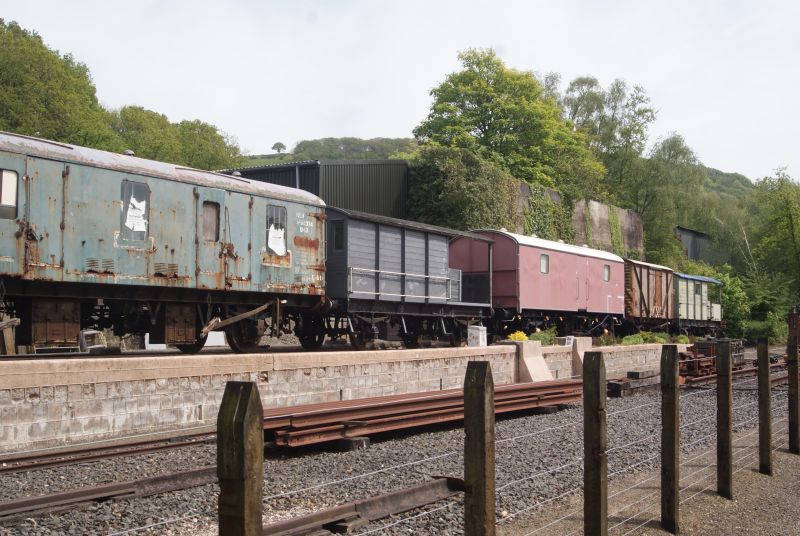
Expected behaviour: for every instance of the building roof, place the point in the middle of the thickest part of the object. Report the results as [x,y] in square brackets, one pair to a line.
[29,146]
[692,231]
[541,243]
[699,278]
[407,224]
[650,265]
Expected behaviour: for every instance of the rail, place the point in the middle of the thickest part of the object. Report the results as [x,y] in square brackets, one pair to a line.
[448,281]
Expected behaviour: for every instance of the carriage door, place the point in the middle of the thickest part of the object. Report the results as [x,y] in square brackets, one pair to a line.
[210,269]
[45,188]
[12,206]
[237,218]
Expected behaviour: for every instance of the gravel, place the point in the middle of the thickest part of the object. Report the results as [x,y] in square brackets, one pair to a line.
[538,459]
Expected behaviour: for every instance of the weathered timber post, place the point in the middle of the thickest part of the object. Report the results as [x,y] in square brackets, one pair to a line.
[595,459]
[764,409]
[794,399]
[240,460]
[670,439]
[724,420]
[479,450]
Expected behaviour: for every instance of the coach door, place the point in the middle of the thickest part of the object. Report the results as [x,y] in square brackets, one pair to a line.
[12,206]
[46,184]
[210,208]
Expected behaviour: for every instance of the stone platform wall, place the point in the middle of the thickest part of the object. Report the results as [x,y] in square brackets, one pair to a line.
[61,401]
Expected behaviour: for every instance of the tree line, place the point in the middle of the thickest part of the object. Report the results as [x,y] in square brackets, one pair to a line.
[49,95]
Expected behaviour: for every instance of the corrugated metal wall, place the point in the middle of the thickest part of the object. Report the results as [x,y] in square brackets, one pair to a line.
[373,186]
[378,187]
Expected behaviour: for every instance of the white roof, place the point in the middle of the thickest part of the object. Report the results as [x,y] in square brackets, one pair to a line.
[555,246]
[656,266]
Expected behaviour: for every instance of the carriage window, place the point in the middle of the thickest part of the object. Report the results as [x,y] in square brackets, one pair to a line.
[210,221]
[606,272]
[337,229]
[698,289]
[544,263]
[276,230]
[135,210]
[8,194]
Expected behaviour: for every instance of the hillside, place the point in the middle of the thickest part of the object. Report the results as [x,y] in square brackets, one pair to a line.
[733,184]
[337,149]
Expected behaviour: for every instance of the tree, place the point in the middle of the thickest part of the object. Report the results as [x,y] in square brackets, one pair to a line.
[505,116]
[147,133]
[203,146]
[47,95]
[278,147]
[352,148]
[455,188]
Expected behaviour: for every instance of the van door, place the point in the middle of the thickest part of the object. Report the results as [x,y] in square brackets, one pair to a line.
[46,184]
[12,206]
[210,261]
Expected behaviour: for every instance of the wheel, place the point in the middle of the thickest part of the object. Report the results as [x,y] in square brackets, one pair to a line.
[311,332]
[193,348]
[357,340]
[457,336]
[243,337]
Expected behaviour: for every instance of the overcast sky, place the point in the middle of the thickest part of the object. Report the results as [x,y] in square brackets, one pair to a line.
[723,74]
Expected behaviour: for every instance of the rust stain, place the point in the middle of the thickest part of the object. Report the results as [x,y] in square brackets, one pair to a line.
[304,242]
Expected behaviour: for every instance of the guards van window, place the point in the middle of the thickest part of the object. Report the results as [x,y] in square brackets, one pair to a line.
[8,194]
[276,230]
[135,211]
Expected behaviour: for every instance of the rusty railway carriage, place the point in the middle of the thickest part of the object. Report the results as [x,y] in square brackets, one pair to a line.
[539,283]
[396,279]
[92,238]
[648,296]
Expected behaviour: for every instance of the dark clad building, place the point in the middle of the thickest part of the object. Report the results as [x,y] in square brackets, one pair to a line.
[374,186]
[696,245]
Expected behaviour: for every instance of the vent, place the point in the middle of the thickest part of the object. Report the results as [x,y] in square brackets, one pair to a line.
[165,269]
[100,265]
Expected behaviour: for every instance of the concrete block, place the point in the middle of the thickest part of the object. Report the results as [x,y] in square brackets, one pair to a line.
[32,395]
[75,392]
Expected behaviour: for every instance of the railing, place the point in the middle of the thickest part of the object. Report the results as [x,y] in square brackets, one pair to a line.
[448,281]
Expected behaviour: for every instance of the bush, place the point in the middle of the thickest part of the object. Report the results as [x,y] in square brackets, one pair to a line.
[654,338]
[774,328]
[605,340]
[546,337]
[633,339]
[518,336]
[682,339]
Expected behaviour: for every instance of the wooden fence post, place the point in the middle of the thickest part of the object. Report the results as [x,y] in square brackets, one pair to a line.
[794,400]
[240,460]
[670,439]
[724,420]
[595,458]
[764,409]
[479,500]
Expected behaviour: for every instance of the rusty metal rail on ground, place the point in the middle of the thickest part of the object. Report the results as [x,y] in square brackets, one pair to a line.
[318,423]
[13,464]
[740,373]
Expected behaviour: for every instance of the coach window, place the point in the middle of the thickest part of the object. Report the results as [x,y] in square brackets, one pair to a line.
[337,229]
[135,211]
[606,272]
[210,221]
[544,263]
[276,230]
[8,194]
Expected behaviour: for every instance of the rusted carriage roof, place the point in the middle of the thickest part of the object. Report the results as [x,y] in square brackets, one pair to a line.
[414,225]
[536,242]
[29,146]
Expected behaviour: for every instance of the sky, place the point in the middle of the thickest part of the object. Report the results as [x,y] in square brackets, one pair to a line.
[723,74]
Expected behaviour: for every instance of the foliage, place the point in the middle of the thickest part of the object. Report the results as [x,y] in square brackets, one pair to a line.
[615,231]
[47,95]
[606,340]
[278,147]
[681,339]
[504,116]
[547,337]
[518,336]
[351,148]
[654,338]
[774,327]
[633,339]
[547,218]
[587,224]
[454,188]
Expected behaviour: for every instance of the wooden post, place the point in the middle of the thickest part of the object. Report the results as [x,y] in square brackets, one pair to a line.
[764,409]
[479,500]
[670,438]
[595,459]
[724,420]
[794,407]
[240,460]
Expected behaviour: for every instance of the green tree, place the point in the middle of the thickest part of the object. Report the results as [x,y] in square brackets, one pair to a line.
[505,116]
[453,187]
[278,147]
[351,148]
[147,133]
[203,146]
[47,95]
